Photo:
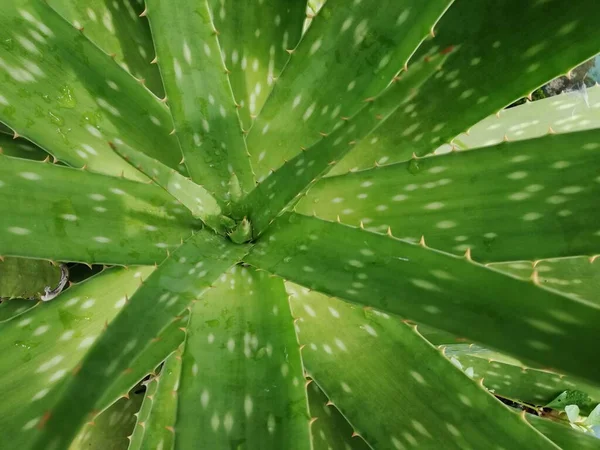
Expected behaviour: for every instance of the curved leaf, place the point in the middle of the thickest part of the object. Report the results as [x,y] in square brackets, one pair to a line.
[66,214]
[436,289]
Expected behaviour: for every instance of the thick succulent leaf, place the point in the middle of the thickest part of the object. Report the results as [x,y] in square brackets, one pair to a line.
[350,53]
[11,309]
[193,196]
[146,361]
[395,388]
[20,148]
[532,386]
[111,429]
[579,277]
[255,40]
[330,430]
[528,199]
[197,85]
[290,180]
[563,435]
[154,427]
[27,278]
[115,27]
[45,344]
[436,289]
[568,112]
[67,96]
[107,220]
[242,379]
[530,44]
[185,275]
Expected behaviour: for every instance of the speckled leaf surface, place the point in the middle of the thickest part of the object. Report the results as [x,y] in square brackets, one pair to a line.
[255,40]
[523,384]
[289,181]
[191,195]
[565,113]
[330,430]
[182,277]
[350,53]
[20,148]
[529,199]
[45,344]
[509,49]
[396,389]
[242,381]
[202,104]
[115,27]
[11,309]
[434,288]
[106,220]
[66,95]
[147,360]
[111,429]
[578,277]
[154,426]
[563,435]
[27,278]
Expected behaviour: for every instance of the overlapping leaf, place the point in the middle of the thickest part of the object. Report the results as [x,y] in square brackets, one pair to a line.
[44,345]
[255,41]
[20,148]
[508,49]
[242,382]
[436,289]
[181,278]
[523,200]
[67,96]
[197,85]
[350,53]
[565,113]
[115,26]
[396,390]
[68,214]
[290,180]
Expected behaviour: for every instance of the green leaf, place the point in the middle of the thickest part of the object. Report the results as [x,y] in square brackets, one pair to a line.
[434,288]
[194,197]
[252,392]
[197,85]
[115,26]
[45,344]
[532,386]
[350,53]
[568,112]
[14,308]
[20,148]
[563,435]
[579,276]
[528,199]
[67,96]
[255,41]
[508,49]
[28,278]
[396,389]
[106,220]
[110,430]
[182,277]
[146,361]
[290,180]
[154,427]
[330,430]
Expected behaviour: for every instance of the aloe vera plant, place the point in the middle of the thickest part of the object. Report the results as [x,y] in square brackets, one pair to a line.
[310,226]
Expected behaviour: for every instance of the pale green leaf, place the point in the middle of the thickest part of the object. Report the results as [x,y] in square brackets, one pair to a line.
[436,289]
[242,381]
[67,214]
